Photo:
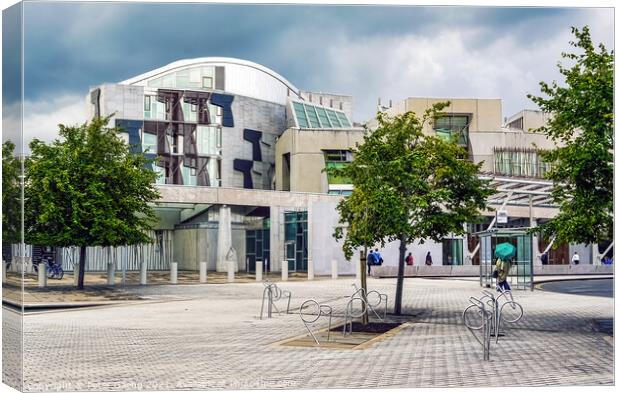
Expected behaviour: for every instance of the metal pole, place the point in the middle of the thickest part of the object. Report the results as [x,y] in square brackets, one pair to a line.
[363,285]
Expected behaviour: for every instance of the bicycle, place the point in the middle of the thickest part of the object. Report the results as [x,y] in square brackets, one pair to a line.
[53,269]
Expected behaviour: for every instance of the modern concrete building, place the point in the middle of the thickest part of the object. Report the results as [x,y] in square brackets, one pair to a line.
[241,156]
[510,156]
[215,125]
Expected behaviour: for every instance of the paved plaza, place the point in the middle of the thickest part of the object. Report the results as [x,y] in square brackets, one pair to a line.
[210,337]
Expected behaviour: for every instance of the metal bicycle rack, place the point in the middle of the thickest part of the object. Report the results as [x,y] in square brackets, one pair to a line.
[359,295]
[488,309]
[271,294]
[308,318]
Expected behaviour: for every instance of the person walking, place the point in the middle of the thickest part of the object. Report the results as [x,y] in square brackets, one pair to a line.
[429,259]
[575,258]
[379,259]
[409,259]
[371,260]
[503,267]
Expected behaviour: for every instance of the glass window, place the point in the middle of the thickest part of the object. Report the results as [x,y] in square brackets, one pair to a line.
[452,251]
[149,142]
[519,162]
[312,116]
[207,82]
[301,115]
[344,122]
[333,118]
[188,179]
[161,179]
[325,123]
[208,140]
[147,103]
[450,126]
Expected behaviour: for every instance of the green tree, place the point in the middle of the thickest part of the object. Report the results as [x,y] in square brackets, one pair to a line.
[582,121]
[88,189]
[11,194]
[407,186]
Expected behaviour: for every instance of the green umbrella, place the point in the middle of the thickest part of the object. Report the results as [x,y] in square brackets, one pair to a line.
[505,251]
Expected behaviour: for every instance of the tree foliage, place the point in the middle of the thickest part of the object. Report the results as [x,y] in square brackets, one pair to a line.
[88,189]
[582,120]
[11,194]
[407,186]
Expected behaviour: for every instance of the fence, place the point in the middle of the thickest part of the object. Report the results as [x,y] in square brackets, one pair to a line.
[158,255]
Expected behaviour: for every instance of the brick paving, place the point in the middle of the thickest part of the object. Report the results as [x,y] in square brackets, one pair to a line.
[213,339]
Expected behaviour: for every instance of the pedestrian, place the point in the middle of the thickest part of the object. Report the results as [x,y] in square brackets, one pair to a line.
[429,259]
[378,257]
[409,259]
[575,258]
[371,260]
[503,267]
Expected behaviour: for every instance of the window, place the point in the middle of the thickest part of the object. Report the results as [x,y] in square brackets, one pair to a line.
[338,155]
[452,251]
[301,115]
[518,124]
[337,159]
[147,103]
[207,82]
[519,162]
[333,118]
[149,142]
[323,118]
[453,126]
[312,116]
[208,140]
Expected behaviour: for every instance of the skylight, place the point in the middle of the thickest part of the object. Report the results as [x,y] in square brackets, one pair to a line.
[314,116]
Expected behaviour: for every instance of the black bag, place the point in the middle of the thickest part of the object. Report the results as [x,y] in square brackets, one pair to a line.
[380,261]
[495,273]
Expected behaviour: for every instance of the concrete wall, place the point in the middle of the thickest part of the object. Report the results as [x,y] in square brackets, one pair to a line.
[486,113]
[323,218]
[126,102]
[195,245]
[307,160]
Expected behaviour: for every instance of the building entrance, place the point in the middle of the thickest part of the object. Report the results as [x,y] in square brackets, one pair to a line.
[296,240]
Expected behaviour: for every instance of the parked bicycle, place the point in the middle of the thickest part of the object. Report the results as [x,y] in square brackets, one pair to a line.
[53,269]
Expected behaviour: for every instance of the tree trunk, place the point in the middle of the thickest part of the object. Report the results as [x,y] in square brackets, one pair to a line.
[363,284]
[80,284]
[398,300]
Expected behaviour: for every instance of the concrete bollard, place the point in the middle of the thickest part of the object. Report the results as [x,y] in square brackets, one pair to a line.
[310,269]
[284,270]
[173,272]
[111,273]
[3,271]
[42,274]
[203,272]
[231,271]
[143,273]
[334,269]
[259,271]
[76,273]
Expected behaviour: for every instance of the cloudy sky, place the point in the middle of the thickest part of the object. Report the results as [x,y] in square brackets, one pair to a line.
[365,51]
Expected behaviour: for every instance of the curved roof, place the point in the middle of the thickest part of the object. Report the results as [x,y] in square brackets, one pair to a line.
[187,63]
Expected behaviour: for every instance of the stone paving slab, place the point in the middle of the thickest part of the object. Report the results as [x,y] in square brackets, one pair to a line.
[214,340]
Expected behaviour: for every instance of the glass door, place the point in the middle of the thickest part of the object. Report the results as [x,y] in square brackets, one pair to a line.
[290,255]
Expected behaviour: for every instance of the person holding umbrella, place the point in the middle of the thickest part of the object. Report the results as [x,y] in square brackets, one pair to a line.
[504,252]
